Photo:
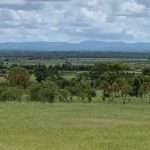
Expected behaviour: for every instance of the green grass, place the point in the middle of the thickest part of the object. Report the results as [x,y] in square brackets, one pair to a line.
[96,126]
[77,61]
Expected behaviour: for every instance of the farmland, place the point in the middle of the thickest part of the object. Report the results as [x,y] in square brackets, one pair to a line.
[74,103]
[74,75]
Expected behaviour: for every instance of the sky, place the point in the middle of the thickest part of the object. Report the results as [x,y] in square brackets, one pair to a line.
[74,20]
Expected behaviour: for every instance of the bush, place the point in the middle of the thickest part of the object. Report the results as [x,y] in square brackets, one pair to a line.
[63,95]
[10,94]
[44,92]
[34,90]
[46,95]
[3,81]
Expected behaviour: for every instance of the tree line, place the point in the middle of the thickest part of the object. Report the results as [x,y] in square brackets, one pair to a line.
[46,84]
[46,55]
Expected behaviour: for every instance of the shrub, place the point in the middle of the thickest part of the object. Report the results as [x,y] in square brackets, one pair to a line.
[63,95]
[46,95]
[10,94]
[34,92]
[44,92]
[3,81]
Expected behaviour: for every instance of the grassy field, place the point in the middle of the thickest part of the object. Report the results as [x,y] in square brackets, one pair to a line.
[77,61]
[96,126]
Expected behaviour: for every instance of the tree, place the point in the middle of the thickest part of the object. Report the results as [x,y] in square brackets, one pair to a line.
[105,86]
[146,71]
[82,87]
[34,92]
[120,82]
[118,67]
[48,91]
[108,76]
[136,83]
[98,69]
[146,81]
[125,90]
[85,90]
[115,89]
[41,72]
[19,77]
[146,88]
[43,92]
[59,80]
[90,94]
[63,95]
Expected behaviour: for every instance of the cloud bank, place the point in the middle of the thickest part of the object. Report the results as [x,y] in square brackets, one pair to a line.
[74,20]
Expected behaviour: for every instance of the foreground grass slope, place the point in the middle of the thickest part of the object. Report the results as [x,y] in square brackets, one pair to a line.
[36,126]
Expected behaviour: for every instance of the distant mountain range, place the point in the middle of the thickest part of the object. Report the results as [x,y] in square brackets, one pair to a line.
[86,45]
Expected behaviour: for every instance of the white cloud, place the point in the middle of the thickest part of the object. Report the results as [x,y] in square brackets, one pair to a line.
[132,7]
[74,20]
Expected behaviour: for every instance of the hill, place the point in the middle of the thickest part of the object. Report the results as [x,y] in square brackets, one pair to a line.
[86,45]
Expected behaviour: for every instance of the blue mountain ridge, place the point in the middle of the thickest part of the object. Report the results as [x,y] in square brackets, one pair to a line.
[83,46]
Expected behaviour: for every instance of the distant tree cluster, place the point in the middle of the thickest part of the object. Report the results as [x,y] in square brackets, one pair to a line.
[46,55]
[47,84]
[115,81]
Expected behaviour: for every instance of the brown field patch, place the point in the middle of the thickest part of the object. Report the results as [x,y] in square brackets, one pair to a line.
[104,121]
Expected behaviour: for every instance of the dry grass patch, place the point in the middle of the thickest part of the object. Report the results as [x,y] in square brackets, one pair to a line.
[104,121]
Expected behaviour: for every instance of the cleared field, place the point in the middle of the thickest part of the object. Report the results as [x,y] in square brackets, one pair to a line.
[76,61]
[96,126]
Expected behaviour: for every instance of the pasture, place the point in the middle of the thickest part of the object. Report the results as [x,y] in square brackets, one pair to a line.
[76,117]
[78,126]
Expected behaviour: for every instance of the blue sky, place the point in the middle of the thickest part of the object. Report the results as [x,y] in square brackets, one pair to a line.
[74,20]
